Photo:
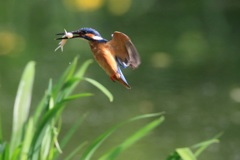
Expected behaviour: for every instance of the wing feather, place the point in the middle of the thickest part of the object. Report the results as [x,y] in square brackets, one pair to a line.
[124,50]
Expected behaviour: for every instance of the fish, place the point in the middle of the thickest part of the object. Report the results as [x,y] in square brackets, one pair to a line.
[66,36]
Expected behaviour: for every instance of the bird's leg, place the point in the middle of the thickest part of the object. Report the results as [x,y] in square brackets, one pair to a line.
[113,77]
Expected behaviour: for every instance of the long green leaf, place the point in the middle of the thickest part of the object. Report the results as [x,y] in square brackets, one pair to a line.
[22,105]
[186,154]
[37,139]
[27,139]
[43,105]
[80,73]
[100,87]
[112,154]
[1,134]
[76,96]
[203,145]
[73,129]
[77,77]
[97,142]
[75,151]
[65,77]
[4,151]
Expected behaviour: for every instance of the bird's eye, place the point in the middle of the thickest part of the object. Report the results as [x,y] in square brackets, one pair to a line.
[83,32]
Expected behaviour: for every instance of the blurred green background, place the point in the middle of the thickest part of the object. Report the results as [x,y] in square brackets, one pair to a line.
[190,68]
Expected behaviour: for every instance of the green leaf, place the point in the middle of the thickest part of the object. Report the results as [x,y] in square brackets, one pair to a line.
[16,153]
[73,129]
[27,139]
[174,156]
[77,77]
[132,139]
[22,105]
[70,82]
[65,77]
[75,151]
[46,143]
[76,96]
[43,105]
[186,154]
[80,73]
[4,151]
[101,88]
[97,142]
[47,117]
[1,134]
[203,145]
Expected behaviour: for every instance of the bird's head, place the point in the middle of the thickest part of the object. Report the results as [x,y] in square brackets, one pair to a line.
[86,33]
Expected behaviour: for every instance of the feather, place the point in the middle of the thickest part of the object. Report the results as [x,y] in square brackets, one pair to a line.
[124,50]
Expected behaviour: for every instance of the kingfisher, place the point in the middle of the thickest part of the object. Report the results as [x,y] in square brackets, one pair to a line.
[110,55]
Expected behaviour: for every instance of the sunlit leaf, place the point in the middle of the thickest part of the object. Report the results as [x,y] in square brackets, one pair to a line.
[186,154]
[46,143]
[76,96]
[22,105]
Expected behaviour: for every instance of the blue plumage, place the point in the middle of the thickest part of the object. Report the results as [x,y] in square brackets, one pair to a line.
[90,30]
[94,32]
[121,75]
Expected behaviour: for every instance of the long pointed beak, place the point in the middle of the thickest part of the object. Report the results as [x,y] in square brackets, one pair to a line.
[76,34]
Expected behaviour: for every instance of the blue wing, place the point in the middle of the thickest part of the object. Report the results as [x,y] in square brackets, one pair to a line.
[124,65]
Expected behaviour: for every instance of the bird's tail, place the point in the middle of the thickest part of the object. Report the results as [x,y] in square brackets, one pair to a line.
[122,79]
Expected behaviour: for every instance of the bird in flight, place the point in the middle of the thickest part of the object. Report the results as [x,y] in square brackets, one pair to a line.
[110,55]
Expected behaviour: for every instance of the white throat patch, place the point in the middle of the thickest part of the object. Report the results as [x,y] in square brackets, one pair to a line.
[97,38]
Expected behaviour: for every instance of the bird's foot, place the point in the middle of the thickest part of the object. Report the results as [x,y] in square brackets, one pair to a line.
[113,77]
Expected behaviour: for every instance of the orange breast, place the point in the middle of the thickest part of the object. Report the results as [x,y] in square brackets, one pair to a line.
[103,55]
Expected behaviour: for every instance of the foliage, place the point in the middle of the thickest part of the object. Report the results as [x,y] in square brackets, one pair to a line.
[35,137]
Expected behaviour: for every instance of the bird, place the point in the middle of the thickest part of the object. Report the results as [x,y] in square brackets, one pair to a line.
[110,55]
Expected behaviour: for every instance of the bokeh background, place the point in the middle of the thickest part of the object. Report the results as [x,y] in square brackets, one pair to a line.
[190,69]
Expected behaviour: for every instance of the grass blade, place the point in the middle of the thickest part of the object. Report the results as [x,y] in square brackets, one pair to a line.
[43,105]
[65,77]
[96,144]
[80,73]
[4,151]
[132,139]
[73,129]
[76,96]
[38,136]
[203,145]
[78,76]
[1,134]
[101,88]
[186,154]
[22,105]
[75,151]
[27,139]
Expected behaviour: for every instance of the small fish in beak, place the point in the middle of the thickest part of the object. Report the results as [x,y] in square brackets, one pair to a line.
[67,35]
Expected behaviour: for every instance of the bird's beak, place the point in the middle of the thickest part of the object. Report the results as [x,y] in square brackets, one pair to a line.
[76,34]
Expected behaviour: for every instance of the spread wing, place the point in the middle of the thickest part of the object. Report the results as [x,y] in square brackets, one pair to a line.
[125,51]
